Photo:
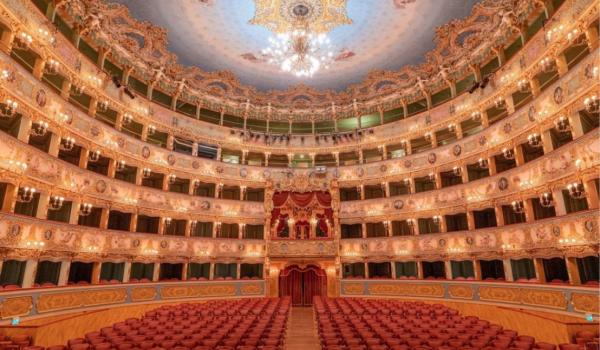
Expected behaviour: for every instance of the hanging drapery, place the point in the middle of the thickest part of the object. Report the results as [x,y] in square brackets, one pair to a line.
[302,284]
[301,215]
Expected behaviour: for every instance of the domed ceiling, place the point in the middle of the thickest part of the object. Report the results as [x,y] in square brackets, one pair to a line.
[229,35]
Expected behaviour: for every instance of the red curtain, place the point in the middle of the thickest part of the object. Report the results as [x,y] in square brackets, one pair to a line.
[302,284]
[302,199]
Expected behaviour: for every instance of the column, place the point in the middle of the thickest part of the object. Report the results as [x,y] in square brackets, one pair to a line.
[42,207]
[519,155]
[126,272]
[54,147]
[165,183]
[415,227]
[93,107]
[267,154]
[448,268]
[156,272]
[336,155]
[238,272]
[477,269]
[384,153]
[510,104]
[133,222]
[591,36]
[576,125]
[535,87]
[84,158]
[6,41]
[170,141]
[112,168]
[24,129]
[195,149]
[364,229]
[492,165]
[485,119]
[361,189]
[161,226]
[104,214]
[219,151]
[96,268]
[573,271]
[538,263]
[458,130]
[464,173]
[546,141]
[528,207]
[386,189]
[499,215]
[184,271]
[361,157]
[591,193]
[63,275]
[38,68]
[470,220]
[211,271]
[420,270]
[366,270]
[443,225]
[559,202]
[74,215]
[393,266]
[508,274]
[433,139]
[561,65]
[29,273]
[188,228]
[10,198]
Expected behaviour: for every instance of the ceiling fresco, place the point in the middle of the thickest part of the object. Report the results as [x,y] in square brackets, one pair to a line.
[218,35]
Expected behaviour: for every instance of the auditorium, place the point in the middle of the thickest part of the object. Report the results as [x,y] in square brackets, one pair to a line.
[299,174]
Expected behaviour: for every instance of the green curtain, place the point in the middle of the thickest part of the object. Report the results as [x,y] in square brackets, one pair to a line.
[226,270]
[251,270]
[197,270]
[47,272]
[462,269]
[140,270]
[523,268]
[407,269]
[112,271]
[12,272]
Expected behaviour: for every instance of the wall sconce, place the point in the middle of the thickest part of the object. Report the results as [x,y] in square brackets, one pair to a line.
[575,38]
[56,202]
[437,219]
[94,156]
[95,80]
[546,200]
[151,129]
[127,119]
[427,136]
[406,181]
[172,178]
[508,153]
[431,177]
[386,224]
[523,85]
[410,222]
[517,207]
[554,32]
[9,108]
[509,246]
[534,140]
[102,106]
[51,67]
[64,117]
[77,89]
[483,163]
[548,64]
[476,116]
[568,241]
[23,41]
[500,103]
[120,165]
[67,144]
[193,224]
[576,190]
[146,173]
[167,221]
[359,189]
[17,166]
[44,33]
[150,251]
[196,183]
[562,124]
[403,144]
[452,127]
[85,209]
[25,194]
[457,171]
[35,244]
[39,128]
[591,103]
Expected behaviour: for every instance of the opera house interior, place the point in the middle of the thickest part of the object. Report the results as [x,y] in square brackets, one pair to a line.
[299,174]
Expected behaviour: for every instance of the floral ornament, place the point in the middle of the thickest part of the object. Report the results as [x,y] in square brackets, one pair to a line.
[10,76]
[101,186]
[427,119]
[558,95]
[40,98]
[171,159]
[452,109]
[383,168]
[205,205]
[482,140]
[399,204]
[15,230]
[502,183]
[431,158]
[360,172]
[456,150]
[589,71]
[69,120]
[556,231]
[219,169]
[195,164]
[531,113]
[164,244]
[175,122]
[364,247]
[146,152]
[442,242]
[407,163]
[266,174]
[48,235]
[121,142]
[95,131]
[243,172]
[469,240]
[589,225]
[241,247]
[507,128]
[135,243]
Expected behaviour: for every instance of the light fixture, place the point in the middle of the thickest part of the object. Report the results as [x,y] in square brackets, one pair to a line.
[534,140]
[410,222]
[427,136]
[51,67]
[151,129]
[17,166]
[67,144]
[554,32]
[483,163]
[431,176]
[546,200]
[127,119]
[592,104]
[359,189]
[44,33]
[548,64]
[300,51]
[9,108]
[167,221]
[456,170]
[576,190]
[25,194]
[77,89]
[146,172]
[517,207]
[120,165]
[523,85]
[172,178]
[39,128]
[386,223]
[103,106]
[94,156]
[451,127]
[56,202]
[94,80]
[23,41]
[85,209]
[500,103]
[476,116]
[34,244]
[562,124]
[508,153]
[193,224]
[196,183]
[437,219]
[575,38]
[64,117]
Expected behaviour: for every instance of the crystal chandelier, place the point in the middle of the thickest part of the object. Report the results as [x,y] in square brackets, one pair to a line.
[300,51]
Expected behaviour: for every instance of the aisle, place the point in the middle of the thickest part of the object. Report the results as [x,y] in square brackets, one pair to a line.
[302,332]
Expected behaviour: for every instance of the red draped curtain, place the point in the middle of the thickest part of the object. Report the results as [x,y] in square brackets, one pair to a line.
[301,200]
[302,284]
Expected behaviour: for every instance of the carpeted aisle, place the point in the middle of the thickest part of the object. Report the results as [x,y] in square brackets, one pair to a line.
[302,331]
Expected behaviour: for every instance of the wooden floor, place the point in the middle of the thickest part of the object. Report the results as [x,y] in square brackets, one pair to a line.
[302,332]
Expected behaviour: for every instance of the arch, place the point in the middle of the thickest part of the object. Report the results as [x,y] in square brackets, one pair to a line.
[302,283]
